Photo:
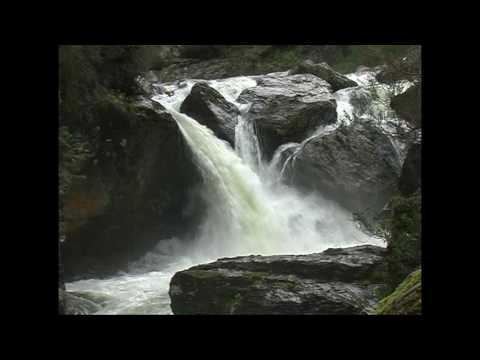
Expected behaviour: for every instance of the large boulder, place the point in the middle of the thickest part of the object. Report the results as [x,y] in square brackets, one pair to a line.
[325,72]
[133,189]
[288,108]
[355,165]
[337,281]
[210,108]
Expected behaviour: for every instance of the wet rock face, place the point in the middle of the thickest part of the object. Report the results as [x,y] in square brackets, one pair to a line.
[287,108]
[210,108]
[136,181]
[410,179]
[356,166]
[336,80]
[337,281]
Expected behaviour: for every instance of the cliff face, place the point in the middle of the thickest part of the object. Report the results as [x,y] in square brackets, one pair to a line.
[135,183]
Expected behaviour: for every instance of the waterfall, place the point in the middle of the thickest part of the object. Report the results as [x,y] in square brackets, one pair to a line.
[245,215]
[248,211]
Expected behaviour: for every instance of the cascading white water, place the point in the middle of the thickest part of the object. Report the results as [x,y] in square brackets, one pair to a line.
[249,212]
[370,101]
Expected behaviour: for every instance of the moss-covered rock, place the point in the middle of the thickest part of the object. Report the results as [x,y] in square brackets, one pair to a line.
[337,281]
[207,62]
[404,237]
[405,300]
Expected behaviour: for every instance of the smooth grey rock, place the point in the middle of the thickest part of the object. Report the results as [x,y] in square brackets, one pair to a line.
[355,165]
[288,108]
[210,108]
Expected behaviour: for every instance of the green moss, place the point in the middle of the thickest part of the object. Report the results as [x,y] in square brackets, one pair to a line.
[256,276]
[203,274]
[232,303]
[404,238]
[405,300]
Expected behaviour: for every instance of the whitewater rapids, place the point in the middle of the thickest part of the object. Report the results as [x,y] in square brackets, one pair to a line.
[248,210]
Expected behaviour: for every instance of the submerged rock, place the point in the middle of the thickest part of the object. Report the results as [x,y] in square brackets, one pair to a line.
[288,108]
[355,165]
[73,303]
[210,108]
[337,281]
[325,72]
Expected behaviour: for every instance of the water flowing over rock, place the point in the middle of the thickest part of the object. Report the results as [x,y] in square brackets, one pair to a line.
[287,108]
[211,109]
[76,304]
[356,165]
[337,281]
[325,72]
[246,211]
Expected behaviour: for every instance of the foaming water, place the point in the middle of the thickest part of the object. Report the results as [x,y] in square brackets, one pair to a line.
[248,211]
